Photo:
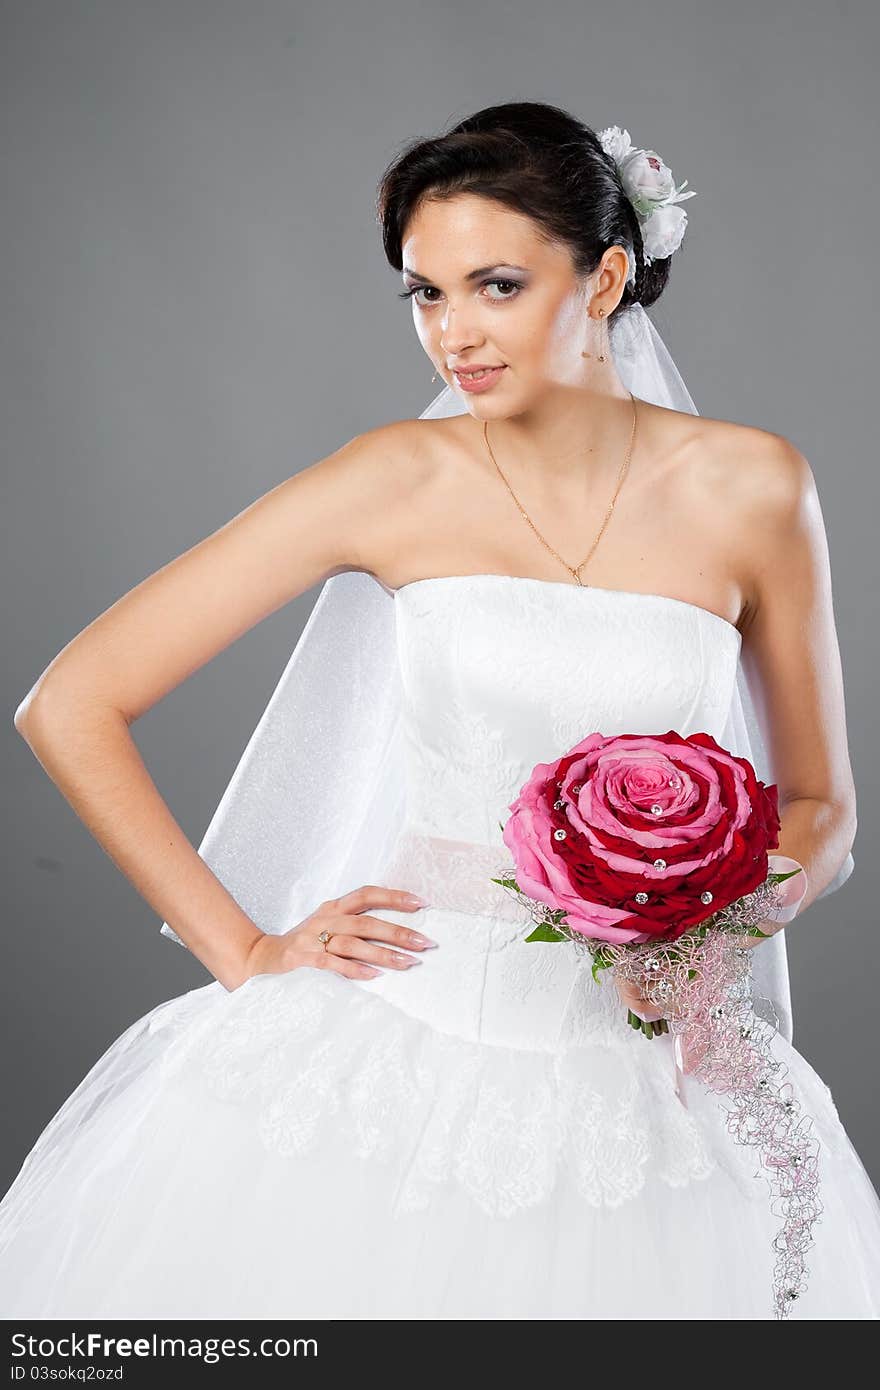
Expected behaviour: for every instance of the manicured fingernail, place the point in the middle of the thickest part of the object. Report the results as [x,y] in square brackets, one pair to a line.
[418,940]
[415,900]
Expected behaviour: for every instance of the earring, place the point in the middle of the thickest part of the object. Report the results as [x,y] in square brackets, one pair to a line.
[434,377]
[601,355]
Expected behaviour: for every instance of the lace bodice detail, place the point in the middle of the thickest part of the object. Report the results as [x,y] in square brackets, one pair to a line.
[492,686]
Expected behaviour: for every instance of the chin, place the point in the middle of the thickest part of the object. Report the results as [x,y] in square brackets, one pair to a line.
[488,412]
[496,410]
[491,406]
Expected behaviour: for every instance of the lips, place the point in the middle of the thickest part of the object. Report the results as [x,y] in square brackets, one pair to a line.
[477,379]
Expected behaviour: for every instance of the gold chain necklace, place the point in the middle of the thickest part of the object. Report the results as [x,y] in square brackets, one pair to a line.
[524,513]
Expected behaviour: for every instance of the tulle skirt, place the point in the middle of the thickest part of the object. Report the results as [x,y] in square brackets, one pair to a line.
[307,1146]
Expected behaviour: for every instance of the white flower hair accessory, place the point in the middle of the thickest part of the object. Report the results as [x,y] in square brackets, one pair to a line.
[650,187]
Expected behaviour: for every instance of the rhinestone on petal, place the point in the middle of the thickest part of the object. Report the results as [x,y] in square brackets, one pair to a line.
[641,897]
[656,810]
[706,897]
[659,863]
[559,834]
[559,805]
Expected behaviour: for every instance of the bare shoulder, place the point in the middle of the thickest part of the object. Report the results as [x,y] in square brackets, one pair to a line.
[763,468]
[766,484]
[739,462]
[369,476]
[780,530]
[403,456]
[729,463]
[383,476]
[399,455]
[739,490]
[735,472]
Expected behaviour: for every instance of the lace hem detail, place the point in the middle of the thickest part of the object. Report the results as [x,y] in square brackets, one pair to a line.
[305,1051]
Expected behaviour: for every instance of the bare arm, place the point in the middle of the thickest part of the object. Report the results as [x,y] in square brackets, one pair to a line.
[77,716]
[792,658]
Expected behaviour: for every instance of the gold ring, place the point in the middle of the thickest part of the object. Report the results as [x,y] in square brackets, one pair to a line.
[325,937]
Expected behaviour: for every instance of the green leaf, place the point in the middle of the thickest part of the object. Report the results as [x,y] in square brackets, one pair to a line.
[780,878]
[598,964]
[546,933]
[507,883]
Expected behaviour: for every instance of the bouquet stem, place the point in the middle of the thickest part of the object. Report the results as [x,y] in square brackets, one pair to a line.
[650,1028]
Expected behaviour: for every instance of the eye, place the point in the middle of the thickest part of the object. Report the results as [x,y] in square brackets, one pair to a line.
[415,290]
[512,284]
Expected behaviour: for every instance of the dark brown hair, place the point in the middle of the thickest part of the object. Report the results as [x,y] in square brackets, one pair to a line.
[537,159]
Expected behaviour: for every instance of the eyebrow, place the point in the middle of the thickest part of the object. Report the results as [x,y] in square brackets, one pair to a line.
[471,275]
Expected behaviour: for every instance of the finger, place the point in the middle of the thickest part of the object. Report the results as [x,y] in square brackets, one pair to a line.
[632,994]
[748,942]
[373,895]
[355,948]
[352,969]
[639,1002]
[363,925]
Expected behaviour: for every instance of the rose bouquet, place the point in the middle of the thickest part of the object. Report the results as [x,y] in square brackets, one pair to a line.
[638,839]
[651,853]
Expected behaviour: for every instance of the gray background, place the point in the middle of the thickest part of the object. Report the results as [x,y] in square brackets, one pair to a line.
[195,305]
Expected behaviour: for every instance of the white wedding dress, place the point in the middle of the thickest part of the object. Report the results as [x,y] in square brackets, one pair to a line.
[481,1136]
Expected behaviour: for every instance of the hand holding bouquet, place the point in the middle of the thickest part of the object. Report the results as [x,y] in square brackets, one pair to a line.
[651,854]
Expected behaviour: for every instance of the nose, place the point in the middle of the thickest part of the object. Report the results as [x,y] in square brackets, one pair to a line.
[458,332]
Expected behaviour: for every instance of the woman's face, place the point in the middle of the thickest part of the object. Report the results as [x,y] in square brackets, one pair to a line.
[487,289]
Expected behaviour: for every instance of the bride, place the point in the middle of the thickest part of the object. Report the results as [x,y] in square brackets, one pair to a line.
[386,1103]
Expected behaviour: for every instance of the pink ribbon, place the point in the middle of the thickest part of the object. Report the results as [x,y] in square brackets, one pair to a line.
[790,895]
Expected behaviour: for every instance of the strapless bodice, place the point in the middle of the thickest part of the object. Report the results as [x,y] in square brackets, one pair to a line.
[501,672]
